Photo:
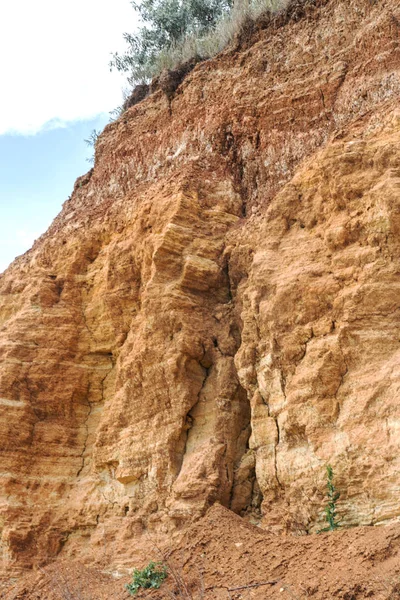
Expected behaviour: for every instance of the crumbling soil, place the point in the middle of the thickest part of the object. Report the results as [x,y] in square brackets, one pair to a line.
[223,557]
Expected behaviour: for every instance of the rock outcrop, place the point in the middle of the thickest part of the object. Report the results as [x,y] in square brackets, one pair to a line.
[214,315]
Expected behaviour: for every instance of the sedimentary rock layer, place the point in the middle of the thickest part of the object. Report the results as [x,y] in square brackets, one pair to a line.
[214,313]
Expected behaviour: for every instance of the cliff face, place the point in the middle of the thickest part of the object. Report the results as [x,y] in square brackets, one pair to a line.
[214,314]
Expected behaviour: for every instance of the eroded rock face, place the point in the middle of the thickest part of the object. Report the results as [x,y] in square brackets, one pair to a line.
[214,314]
[320,340]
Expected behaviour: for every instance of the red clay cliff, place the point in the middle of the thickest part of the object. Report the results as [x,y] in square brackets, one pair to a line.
[214,315]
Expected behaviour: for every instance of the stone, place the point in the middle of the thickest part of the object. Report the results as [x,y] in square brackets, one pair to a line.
[213,316]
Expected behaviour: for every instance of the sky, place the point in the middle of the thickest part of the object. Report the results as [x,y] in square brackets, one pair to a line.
[56,87]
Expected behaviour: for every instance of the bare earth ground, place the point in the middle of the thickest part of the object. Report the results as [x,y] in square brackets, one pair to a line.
[223,552]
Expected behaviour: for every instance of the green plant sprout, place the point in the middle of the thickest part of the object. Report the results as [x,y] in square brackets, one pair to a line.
[333,497]
[151,576]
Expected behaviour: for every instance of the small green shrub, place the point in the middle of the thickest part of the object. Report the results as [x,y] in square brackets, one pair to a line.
[164,23]
[151,576]
[91,141]
[177,31]
[333,497]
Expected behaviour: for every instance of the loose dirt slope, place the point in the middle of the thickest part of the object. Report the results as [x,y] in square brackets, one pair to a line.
[222,552]
[214,315]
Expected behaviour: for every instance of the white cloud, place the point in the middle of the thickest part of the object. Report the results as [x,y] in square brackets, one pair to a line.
[54,59]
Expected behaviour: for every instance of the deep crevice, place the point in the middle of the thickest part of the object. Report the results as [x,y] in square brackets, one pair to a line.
[188,420]
[89,413]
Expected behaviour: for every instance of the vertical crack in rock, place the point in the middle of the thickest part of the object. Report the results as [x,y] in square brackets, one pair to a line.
[228,280]
[85,323]
[91,406]
[188,420]
[276,452]
[86,426]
